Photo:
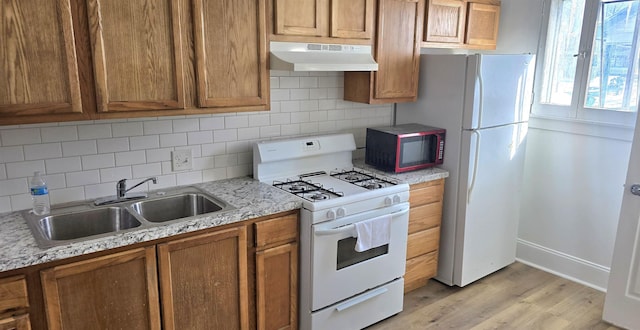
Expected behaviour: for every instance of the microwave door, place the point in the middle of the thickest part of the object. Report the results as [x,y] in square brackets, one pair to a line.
[416,151]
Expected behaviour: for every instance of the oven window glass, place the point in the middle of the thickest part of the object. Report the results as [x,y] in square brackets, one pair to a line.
[347,254]
[417,150]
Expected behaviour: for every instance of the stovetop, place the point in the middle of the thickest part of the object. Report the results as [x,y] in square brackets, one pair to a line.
[322,185]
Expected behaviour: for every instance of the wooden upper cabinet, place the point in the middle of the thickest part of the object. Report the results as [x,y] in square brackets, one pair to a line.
[445,21]
[231,53]
[352,19]
[204,281]
[301,17]
[137,61]
[38,60]
[397,51]
[482,24]
[117,291]
[325,20]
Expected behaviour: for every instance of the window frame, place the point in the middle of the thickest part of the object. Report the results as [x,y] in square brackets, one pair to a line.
[576,111]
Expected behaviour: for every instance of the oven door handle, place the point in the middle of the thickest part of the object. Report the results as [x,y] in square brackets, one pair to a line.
[355,301]
[351,229]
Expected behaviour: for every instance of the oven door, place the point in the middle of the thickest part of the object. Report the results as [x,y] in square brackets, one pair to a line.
[339,272]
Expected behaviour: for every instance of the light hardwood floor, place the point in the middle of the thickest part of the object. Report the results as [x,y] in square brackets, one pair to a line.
[517,297]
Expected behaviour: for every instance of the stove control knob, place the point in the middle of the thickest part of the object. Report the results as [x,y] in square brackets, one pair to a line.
[341,212]
[396,199]
[388,201]
[331,214]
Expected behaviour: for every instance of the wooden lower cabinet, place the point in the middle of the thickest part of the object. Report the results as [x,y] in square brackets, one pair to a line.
[242,276]
[425,218]
[14,304]
[118,291]
[203,281]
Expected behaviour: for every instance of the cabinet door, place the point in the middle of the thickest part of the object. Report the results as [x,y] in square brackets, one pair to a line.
[231,53]
[117,291]
[20,322]
[204,281]
[398,49]
[352,19]
[136,48]
[301,17]
[482,25]
[277,287]
[445,21]
[38,59]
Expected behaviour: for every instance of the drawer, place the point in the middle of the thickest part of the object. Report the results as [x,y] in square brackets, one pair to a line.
[13,294]
[423,242]
[15,322]
[276,230]
[425,193]
[425,216]
[420,270]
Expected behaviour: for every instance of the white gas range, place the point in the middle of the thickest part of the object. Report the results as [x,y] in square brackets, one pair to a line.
[340,287]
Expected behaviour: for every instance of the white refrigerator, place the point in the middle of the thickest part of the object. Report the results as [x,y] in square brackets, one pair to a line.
[483,101]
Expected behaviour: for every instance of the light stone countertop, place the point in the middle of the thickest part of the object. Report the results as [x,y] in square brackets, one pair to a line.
[413,177]
[251,198]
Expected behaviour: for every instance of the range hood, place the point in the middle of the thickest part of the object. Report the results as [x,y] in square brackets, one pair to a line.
[294,56]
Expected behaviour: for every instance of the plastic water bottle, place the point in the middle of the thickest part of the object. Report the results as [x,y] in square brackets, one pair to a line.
[39,194]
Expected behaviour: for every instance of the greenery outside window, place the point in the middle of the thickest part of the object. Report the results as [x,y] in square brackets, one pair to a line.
[588,65]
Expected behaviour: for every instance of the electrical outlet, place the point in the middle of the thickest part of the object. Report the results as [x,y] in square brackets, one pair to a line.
[181,160]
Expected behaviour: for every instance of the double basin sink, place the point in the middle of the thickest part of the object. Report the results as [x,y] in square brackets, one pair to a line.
[85,221]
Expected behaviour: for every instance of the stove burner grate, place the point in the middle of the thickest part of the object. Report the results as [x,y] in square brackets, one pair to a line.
[363,179]
[310,191]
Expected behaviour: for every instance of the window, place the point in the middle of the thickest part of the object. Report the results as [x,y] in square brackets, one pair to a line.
[589,60]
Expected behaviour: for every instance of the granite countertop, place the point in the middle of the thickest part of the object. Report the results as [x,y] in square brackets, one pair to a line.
[413,177]
[251,198]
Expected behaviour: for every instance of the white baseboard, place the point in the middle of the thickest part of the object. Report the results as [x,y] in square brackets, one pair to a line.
[564,265]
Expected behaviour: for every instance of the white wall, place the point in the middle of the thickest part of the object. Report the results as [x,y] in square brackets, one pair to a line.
[574,172]
[83,160]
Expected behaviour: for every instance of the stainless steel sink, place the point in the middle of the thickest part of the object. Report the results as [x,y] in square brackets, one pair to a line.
[177,207]
[83,221]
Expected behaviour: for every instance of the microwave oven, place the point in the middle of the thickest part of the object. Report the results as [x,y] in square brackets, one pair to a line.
[403,148]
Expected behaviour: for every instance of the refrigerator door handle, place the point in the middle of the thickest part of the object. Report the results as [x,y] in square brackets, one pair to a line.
[475,166]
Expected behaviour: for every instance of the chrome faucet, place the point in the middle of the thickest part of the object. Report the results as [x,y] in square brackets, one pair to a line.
[122,186]
[121,193]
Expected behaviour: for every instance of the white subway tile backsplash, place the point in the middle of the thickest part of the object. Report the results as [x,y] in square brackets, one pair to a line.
[55,181]
[250,133]
[212,123]
[84,160]
[11,154]
[79,148]
[158,127]
[5,204]
[59,134]
[213,149]
[130,158]
[66,195]
[113,145]
[186,125]
[14,186]
[173,140]
[225,135]
[114,174]
[24,169]
[63,165]
[201,137]
[158,155]
[185,178]
[144,142]
[127,129]
[146,170]
[22,136]
[83,178]
[98,161]
[94,131]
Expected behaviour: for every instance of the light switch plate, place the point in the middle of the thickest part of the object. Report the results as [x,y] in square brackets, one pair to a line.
[181,160]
